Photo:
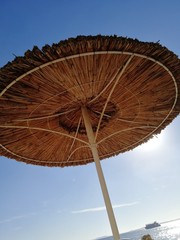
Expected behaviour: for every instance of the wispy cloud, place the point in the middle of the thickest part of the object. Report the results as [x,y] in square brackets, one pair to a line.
[89,210]
[97,209]
[15,218]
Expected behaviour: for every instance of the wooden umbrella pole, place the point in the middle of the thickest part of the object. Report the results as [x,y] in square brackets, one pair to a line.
[93,146]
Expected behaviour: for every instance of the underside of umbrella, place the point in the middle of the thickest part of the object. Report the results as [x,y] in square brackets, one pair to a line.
[86,99]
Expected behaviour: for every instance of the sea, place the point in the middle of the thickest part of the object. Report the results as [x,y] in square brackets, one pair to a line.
[167,231]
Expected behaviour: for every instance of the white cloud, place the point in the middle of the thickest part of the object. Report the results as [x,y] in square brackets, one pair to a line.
[97,209]
[90,210]
[126,204]
[19,217]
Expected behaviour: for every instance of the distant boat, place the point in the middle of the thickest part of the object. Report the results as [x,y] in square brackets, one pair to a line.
[152,225]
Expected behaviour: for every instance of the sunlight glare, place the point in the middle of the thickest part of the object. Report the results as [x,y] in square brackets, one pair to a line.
[175,229]
[153,144]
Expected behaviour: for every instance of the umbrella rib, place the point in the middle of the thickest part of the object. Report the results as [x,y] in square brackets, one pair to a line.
[43,129]
[74,152]
[119,119]
[41,161]
[102,114]
[17,155]
[104,89]
[39,118]
[175,100]
[124,130]
[75,78]
[84,54]
[135,96]
[75,137]
[118,76]
[44,117]
[128,121]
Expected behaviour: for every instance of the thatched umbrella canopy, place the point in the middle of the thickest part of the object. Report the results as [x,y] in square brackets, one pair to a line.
[125,90]
[129,87]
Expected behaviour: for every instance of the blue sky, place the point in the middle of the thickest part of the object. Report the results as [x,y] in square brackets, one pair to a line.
[53,203]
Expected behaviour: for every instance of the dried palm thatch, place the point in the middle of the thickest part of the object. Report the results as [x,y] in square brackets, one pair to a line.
[130,89]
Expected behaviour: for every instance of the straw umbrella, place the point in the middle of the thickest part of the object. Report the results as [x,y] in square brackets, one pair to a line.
[86,99]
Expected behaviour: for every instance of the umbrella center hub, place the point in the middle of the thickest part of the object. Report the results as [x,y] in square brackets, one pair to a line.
[72,120]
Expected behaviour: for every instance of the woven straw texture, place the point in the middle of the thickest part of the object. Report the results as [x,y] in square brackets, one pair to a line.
[130,89]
